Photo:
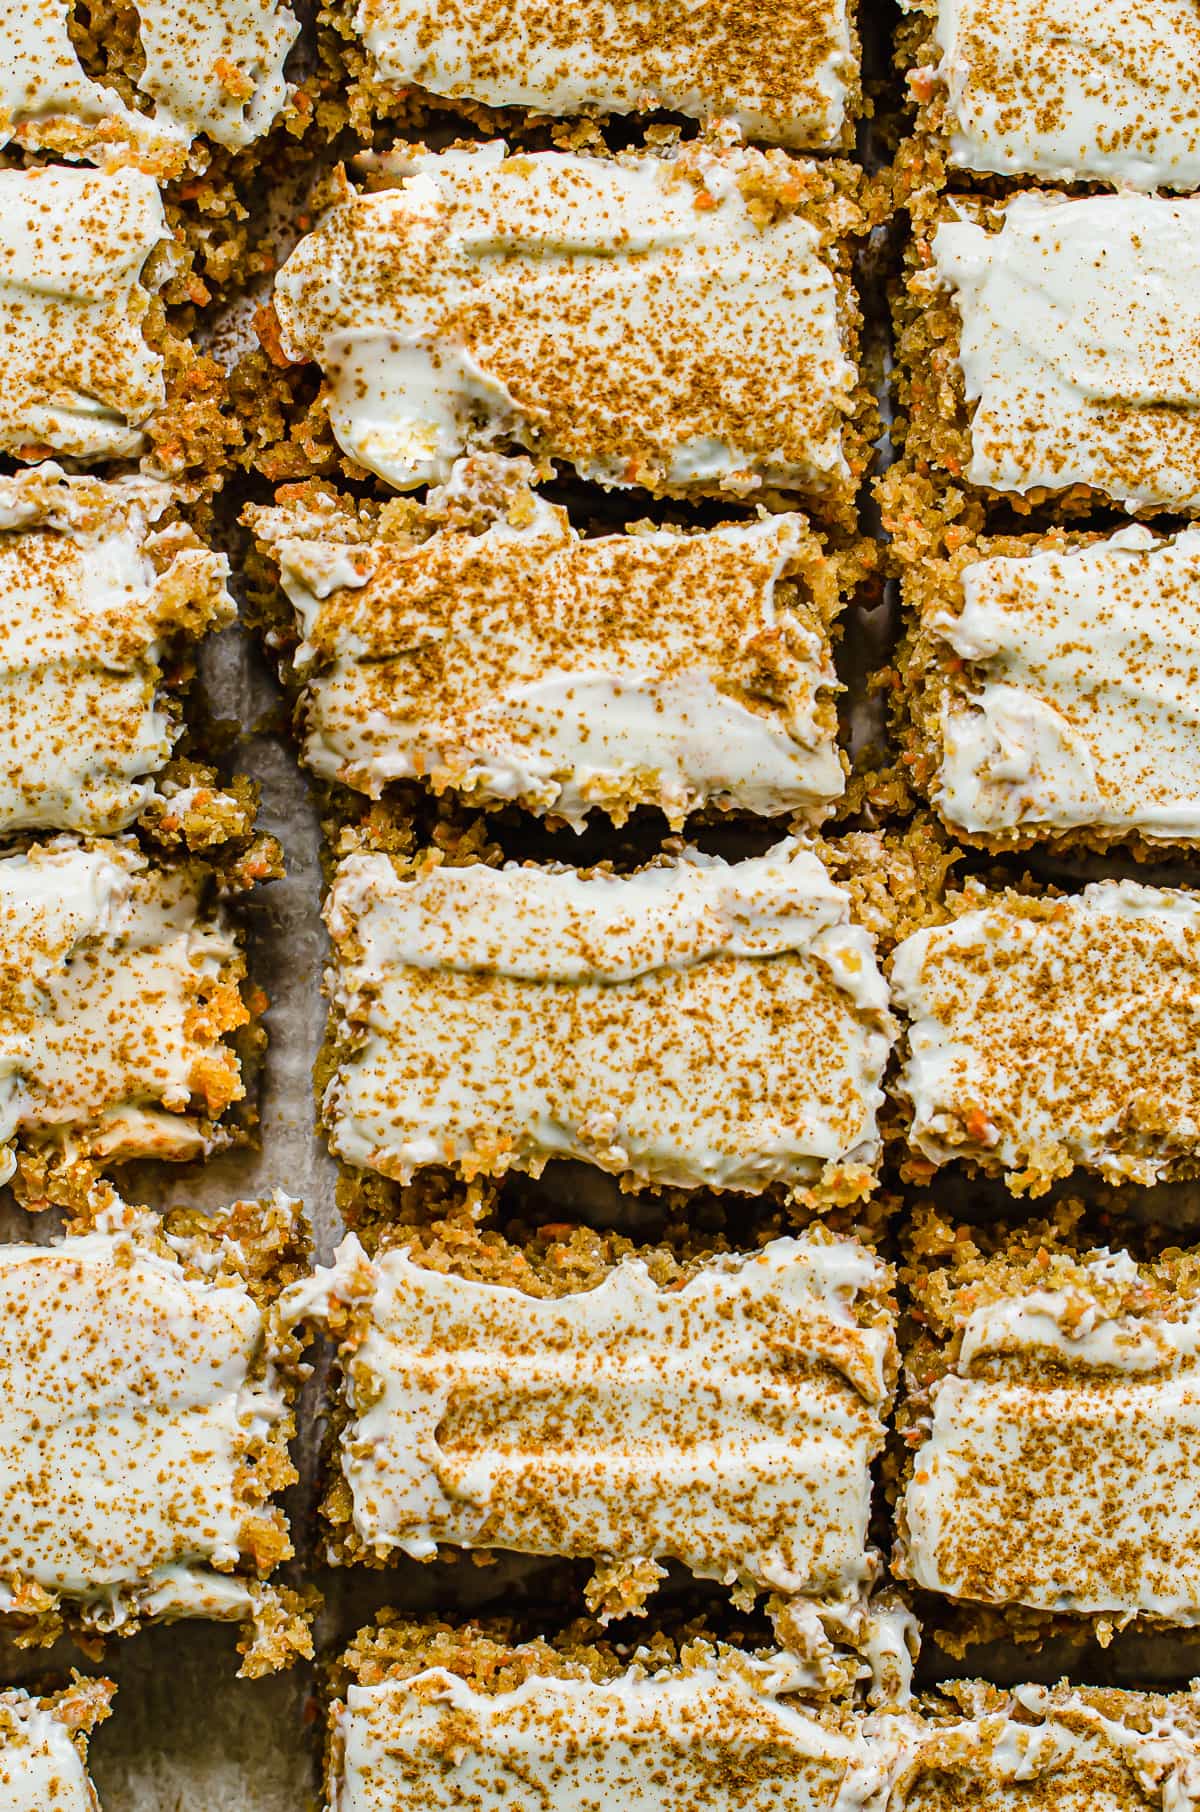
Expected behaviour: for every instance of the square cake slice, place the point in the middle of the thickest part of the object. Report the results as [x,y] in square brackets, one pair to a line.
[1053,1414]
[1055,1032]
[43,1747]
[120,980]
[724,1414]
[429,1719]
[790,77]
[680,322]
[100,601]
[1051,688]
[147,1391]
[1087,91]
[515,658]
[695,1024]
[211,68]
[1050,349]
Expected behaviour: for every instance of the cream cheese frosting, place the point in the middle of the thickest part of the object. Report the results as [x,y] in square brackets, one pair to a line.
[1073,90]
[1080,345]
[657,1742]
[1029,740]
[140,1392]
[41,1770]
[494,1019]
[76,373]
[525,662]
[211,67]
[1060,1461]
[785,77]
[93,596]
[483,1417]
[1047,1034]
[671,322]
[112,975]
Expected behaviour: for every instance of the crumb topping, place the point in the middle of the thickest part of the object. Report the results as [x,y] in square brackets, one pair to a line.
[43,1748]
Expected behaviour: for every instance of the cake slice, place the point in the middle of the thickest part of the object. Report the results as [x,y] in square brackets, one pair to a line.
[148,1390]
[1052,1032]
[721,1411]
[697,1023]
[43,1747]
[680,322]
[511,657]
[792,78]
[1008,732]
[120,980]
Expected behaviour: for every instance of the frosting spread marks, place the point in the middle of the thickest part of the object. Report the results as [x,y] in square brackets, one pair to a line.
[525,662]
[1051,1033]
[1080,345]
[494,1019]
[670,322]
[784,77]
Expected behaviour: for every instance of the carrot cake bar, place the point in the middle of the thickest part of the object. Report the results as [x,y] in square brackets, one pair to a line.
[43,1747]
[697,1023]
[1089,91]
[681,322]
[77,374]
[515,658]
[169,75]
[1054,1032]
[481,1416]
[1054,1420]
[1045,1749]
[435,1719]
[119,981]
[148,1424]
[791,77]
[101,599]
[1052,685]
[1051,350]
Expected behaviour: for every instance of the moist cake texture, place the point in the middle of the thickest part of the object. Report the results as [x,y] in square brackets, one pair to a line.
[1098,91]
[96,600]
[146,1432]
[43,1747]
[76,373]
[1013,736]
[675,322]
[1052,1033]
[791,78]
[523,661]
[1074,329]
[479,1416]
[119,980]
[696,1023]
[1059,1439]
[209,67]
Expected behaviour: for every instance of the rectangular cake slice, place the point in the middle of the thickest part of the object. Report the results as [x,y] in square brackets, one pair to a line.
[147,1392]
[77,374]
[790,77]
[213,70]
[697,1023]
[680,322]
[119,982]
[1051,350]
[100,601]
[1054,1416]
[43,1747]
[1009,733]
[1055,1032]
[518,659]
[1088,91]
[723,1414]
[430,1719]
